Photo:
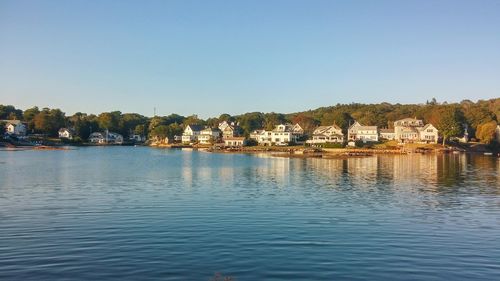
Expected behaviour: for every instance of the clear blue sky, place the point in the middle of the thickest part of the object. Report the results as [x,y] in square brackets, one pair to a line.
[211,57]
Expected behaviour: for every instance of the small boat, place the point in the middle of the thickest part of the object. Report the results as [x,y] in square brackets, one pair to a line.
[488,153]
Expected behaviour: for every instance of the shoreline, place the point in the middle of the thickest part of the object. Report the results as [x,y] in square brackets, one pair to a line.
[326,153]
[298,151]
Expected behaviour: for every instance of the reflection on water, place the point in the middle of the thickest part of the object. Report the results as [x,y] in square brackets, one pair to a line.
[138,213]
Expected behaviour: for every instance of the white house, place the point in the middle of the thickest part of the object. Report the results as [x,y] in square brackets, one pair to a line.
[137,137]
[428,134]
[191,133]
[414,130]
[363,133]
[281,135]
[209,135]
[255,135]
[497,133]
[234,141]
[14,127]
[66,133]
[106,138]
[405,130]
[327,134]
[97,137]
[387,134]
[115,138]
[229,130]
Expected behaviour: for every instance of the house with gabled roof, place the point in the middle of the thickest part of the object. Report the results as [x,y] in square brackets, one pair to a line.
[414,130]
[14,127]
[229,129]
[282,134]
[428,133]
[209,135]
[66,133]
[363,133]
[327,134]
[191,133]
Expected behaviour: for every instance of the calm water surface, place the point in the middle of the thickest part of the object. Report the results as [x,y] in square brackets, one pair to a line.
[125,213]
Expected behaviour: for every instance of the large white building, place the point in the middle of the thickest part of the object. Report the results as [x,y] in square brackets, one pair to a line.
[363,133]
[14,127]
[106,138]
[209,135]
[191,133]
[229,129]
[327,134]
[282,134]
[414,130]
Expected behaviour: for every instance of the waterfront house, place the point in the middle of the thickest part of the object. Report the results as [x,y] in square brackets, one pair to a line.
[137,138]
[387,134]
[234,141]
[414,130]
[327,134]
[105,138]
[66,133]
[209,136]
[405,130]
[256,134]
[283,134]
[97,137]
[191,133]
[497,133]
[363,133]
[229,130]
[428,134]
[14,127]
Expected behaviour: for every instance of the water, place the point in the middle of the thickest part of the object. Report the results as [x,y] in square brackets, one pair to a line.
[116,213]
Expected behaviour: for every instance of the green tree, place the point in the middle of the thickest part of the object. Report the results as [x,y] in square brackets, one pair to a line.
[140,130]
[83,124]
[128,122]
[250,121]
[160,131]
[2,129]
[273,119]
[10,112]
[487,132]
[174,118]
[49,121]
[29,115]
[193,120]
[163,131]
[450,123]
[109,120]
[306,122]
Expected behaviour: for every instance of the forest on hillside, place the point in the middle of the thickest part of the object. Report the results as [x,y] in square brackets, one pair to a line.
[452,119]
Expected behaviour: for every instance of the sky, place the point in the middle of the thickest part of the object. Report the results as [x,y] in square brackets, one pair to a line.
[212,57]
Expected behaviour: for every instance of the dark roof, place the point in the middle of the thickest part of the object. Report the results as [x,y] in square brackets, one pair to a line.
[196,127]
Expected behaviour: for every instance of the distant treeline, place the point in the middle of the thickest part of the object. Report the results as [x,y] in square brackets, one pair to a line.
[452,119]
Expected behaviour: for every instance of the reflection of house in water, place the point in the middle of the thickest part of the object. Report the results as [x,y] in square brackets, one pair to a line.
[415,167]
[363,170]
[451,169]
[273,168]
